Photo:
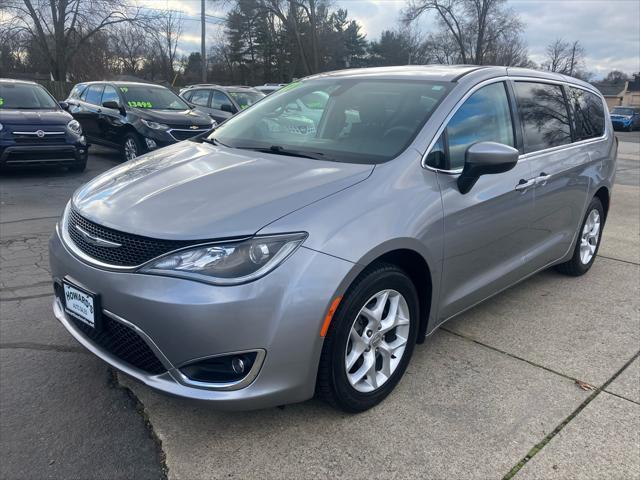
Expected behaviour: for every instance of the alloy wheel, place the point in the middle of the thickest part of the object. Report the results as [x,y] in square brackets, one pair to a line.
[130,149]
[377,340]
[590,236]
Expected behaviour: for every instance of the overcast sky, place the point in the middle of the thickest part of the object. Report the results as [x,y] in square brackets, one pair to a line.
[609,30]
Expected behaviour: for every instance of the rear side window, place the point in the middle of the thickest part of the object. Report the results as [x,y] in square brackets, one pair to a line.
[77,90]
[484,117]
[94,94]
[587,112]
[544,115]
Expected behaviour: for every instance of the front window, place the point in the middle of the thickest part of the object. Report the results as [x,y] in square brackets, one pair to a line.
[350,120]
[246,99]
[22,96]
[151,97]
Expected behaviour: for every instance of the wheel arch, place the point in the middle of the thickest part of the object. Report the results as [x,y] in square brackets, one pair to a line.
[603,194]
[409,258]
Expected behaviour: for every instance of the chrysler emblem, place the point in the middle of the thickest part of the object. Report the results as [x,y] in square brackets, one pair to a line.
[39,133]
[98,242]
[193,127]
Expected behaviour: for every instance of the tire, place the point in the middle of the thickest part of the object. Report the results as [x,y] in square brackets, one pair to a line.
[333,383]
[580,262]
[78,167]
[132,141]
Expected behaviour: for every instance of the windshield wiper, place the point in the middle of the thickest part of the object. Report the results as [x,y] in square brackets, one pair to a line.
[279,150]
[213,141]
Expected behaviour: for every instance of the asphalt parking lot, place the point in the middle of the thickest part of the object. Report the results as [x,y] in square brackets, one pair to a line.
[540,382]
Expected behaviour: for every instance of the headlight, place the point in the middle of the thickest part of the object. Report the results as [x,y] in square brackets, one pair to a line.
[74,127]
[230,263]
[154,125]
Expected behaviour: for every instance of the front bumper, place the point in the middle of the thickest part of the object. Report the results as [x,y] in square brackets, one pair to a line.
[182,321]
[25,155]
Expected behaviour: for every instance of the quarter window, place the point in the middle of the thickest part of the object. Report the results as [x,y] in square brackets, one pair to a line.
[544,115]
[94,93]
[587,112]
[219,99]
[484,117]
[110,95]
[200,97]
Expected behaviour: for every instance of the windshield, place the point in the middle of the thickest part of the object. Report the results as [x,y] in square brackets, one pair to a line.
[151,97]
[246,99]
[622,111]
[350,120]
[21,96]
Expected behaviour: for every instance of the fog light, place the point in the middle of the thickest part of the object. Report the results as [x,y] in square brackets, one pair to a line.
[223,369]
[237,364]
[150,143]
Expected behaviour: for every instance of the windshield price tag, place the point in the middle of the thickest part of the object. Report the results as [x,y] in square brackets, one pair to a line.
[140,104]
[1,101]
[124,89]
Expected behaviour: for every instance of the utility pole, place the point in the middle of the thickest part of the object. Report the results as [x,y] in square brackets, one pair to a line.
[203,50]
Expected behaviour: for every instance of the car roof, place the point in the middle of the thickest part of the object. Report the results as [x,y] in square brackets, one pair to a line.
[122,82]
[13,80]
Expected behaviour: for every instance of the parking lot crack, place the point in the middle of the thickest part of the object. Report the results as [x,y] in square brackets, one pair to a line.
[113,382]
[540,445]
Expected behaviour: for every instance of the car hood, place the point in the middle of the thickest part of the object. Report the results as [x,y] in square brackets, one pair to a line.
[176,117]
[35,117]
[199,191]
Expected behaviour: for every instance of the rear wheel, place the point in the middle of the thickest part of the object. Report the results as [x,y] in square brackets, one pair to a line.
[588,242]
[370,340]
[132,146]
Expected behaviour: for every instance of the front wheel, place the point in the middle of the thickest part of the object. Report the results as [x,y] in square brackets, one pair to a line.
[588,242]
[131,147]
[370,340]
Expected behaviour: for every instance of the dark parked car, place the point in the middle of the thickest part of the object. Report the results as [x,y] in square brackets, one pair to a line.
[35,130]
[134,117]
[221,102]
[625,118]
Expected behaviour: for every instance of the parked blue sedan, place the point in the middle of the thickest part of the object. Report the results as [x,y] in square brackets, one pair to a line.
[625,118]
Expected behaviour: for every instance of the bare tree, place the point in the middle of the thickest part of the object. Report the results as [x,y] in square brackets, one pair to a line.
[166,33]
[61,27]
[476,27]
[567,58]
[615,76]
[130,47]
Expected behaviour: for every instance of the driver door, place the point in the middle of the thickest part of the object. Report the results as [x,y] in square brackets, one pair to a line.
[486,229]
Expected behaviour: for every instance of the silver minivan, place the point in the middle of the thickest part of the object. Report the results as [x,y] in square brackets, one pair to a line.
[285,255]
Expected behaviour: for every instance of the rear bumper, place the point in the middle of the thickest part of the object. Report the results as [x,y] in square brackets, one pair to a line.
[280,314]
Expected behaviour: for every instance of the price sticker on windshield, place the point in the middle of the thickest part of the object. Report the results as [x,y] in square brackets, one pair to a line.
[1,101]
[124,89]
[138,104]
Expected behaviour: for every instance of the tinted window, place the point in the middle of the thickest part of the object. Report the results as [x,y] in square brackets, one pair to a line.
[110,95]
[544,116]
[94,93]
[623,111]
[25,96]
[200,97]
[484,117]
[246,99]
[588,113]
[219,99]
[363,120]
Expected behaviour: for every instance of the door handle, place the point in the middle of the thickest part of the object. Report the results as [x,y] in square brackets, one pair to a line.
[542,179]
[523,185]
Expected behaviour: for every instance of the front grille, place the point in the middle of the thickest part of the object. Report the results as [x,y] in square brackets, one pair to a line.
[33,156]
[122,342]
[185,134]
[134,249]
[34,140]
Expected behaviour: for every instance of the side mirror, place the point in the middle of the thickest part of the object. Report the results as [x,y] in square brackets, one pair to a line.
[64,105]
[227,107]
[114,106]
[485,158]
